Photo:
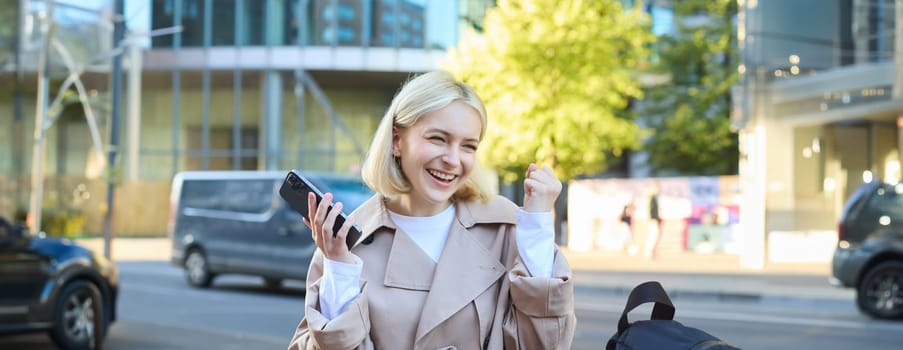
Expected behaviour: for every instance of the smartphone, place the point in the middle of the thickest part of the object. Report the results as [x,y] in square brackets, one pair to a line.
[295,189]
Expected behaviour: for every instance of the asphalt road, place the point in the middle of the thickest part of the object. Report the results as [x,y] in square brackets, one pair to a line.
[159,311]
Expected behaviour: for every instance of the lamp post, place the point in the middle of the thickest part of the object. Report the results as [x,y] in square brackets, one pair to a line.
[44,120]
[116,87]
[39,151]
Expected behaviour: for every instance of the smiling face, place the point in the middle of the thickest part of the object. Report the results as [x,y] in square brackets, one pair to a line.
[437,155]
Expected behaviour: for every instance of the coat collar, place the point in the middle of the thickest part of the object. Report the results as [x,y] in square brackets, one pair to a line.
[498,210]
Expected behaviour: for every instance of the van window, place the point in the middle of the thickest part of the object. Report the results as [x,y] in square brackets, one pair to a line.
[243,196]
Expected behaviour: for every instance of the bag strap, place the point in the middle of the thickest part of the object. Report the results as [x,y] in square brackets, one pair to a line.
[648,292]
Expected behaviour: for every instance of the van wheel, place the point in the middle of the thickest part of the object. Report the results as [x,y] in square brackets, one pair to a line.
[880,293]
[197,272]
[78,317]
[272,283]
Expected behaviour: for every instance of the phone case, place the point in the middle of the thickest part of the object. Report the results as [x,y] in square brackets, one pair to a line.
[295,189]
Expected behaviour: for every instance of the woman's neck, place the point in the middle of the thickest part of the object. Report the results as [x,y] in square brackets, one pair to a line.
[404,205]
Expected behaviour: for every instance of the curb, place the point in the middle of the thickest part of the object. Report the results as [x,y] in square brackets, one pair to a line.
[719,296]
[677,294]
[737,286]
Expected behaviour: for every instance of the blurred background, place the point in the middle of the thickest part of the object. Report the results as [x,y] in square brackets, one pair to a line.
[752,122]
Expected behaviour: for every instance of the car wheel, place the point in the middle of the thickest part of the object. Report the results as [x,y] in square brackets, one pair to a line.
[272,283]
[880,293]
[197,272]
[78,317]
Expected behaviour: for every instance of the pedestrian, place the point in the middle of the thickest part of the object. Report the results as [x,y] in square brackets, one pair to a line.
[441,263]
[654,227]
[626,236]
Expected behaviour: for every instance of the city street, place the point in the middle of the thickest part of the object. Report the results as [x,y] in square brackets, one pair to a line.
[747,155]
[159,311]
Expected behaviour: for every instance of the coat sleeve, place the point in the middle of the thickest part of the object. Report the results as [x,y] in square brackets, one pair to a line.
[349,330]
[541,314]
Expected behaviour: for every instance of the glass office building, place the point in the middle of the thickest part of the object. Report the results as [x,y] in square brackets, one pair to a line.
[209,85]
[817,109]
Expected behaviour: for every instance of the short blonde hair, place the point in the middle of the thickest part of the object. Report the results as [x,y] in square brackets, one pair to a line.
[421,95]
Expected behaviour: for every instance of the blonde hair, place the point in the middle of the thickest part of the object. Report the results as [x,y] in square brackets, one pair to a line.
[421,95]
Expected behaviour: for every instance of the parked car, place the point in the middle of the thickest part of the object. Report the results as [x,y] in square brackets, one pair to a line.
[55,285]
[869,253]
[235,222]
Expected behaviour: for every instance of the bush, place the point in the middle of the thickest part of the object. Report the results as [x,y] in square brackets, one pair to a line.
[63,222]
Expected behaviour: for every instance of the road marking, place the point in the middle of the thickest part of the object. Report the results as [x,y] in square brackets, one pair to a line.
[261,302]
[177,293]
[217,332]
[747,317]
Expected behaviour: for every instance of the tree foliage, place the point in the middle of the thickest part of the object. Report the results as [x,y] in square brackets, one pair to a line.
[8,15]
[690,114]
[556,78]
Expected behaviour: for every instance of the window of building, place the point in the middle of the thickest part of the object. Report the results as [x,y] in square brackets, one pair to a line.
[388,18]
[223,31]
[387,38]
[221,154]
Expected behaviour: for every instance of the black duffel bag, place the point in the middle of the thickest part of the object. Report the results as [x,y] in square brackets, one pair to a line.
[661,332]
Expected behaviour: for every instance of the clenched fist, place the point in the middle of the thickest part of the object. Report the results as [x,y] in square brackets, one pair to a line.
[541,189]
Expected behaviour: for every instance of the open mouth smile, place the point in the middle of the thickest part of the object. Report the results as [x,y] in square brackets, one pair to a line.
[440,176]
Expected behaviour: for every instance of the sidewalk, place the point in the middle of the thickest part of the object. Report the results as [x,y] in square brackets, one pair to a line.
[715,276]
[125,249]
[674,262]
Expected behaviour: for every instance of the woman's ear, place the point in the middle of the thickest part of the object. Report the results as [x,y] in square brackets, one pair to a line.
[396,140]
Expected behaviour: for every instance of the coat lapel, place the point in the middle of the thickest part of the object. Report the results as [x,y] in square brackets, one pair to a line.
[465,270]
[408,266]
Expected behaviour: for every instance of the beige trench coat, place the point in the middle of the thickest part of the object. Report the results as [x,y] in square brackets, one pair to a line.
[478,296]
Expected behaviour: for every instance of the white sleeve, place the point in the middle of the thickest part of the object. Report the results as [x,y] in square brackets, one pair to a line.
[536,242]
[341,283]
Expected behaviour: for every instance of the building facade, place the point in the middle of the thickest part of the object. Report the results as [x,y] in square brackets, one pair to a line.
[817,110]
[216,85]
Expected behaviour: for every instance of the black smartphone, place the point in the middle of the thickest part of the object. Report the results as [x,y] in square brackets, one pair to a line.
[295,189]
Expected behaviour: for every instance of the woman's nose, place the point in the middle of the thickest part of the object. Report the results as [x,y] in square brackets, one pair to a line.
[451,156]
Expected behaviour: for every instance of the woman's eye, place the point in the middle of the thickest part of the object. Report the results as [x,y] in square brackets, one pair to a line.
[471,147]
[436,139]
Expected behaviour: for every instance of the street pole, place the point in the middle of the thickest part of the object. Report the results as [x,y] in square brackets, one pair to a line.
[134,107]
[116,94]
[38,151]
[18,140]
[897,91]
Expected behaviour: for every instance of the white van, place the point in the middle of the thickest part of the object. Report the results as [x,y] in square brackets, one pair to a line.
[235,222]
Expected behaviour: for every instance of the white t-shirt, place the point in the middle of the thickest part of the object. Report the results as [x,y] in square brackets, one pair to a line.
[429,232]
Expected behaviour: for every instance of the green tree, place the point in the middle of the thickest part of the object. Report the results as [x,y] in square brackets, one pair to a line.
[556,77]
[689,115]
[8,15]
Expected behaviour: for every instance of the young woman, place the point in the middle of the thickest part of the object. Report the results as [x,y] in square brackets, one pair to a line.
[441,263]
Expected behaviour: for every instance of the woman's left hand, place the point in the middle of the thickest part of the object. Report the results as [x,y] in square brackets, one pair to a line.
[541,189]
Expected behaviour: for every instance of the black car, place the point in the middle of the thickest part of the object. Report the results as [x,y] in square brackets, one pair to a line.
[869,254]
[57,286]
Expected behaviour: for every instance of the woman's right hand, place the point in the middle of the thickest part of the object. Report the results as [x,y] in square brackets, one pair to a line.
[321,228]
